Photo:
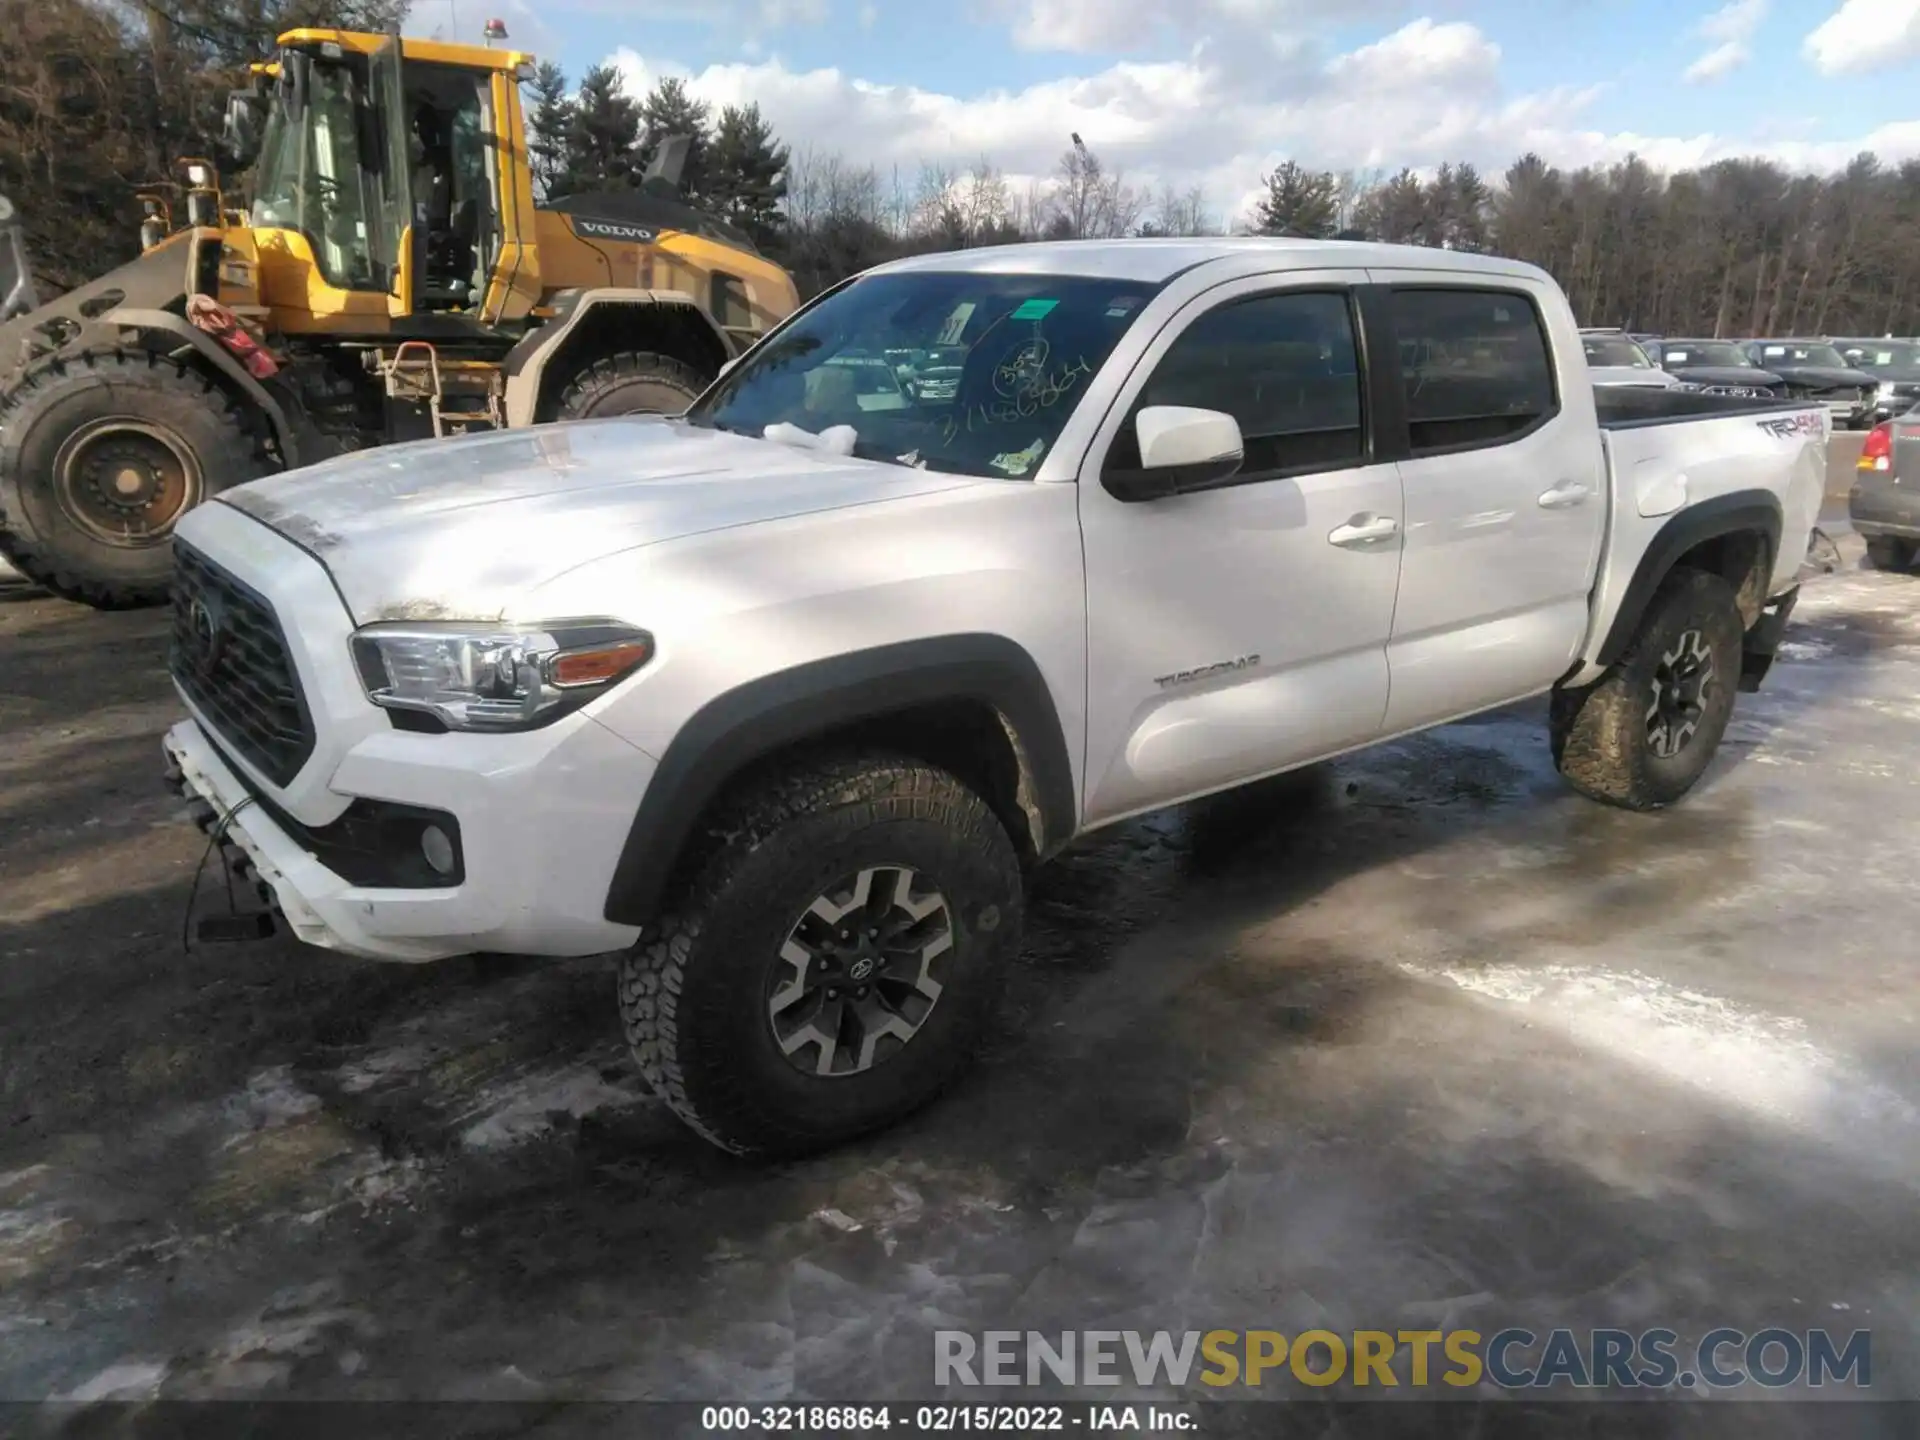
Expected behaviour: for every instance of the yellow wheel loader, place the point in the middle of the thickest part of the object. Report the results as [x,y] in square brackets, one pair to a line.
[392,277]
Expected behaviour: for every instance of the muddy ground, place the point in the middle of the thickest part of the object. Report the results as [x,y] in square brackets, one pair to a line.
[1418,1041]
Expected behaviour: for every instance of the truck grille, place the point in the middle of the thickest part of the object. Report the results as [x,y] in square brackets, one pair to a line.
[229,656]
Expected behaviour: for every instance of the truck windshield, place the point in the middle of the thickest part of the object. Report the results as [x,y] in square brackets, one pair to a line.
[968,372]
[1615,350]
[312,177]
[1705,352]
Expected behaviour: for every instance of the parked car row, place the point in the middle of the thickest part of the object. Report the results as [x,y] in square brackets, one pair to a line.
[1861,382]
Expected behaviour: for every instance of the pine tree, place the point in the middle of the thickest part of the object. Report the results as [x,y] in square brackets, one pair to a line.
[548,126]
[670,110]
[1299,202]
[602,139]
[1396,212]
[747,173]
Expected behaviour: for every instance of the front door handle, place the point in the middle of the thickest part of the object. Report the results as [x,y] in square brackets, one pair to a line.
[1364,530]
[1565,497]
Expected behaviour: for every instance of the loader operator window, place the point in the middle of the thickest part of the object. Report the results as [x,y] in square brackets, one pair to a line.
[312,178]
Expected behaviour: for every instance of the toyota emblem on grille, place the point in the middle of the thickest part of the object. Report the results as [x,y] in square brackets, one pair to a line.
[207,633]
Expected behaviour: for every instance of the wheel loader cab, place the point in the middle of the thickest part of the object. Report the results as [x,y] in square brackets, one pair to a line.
[390,278]
[390,181]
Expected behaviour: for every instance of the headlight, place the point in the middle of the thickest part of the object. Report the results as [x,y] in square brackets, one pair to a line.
[496,677]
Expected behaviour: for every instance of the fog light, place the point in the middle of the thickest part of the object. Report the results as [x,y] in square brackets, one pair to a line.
[438,849]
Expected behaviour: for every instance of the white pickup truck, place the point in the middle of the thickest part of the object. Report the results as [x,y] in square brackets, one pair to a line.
[784,719]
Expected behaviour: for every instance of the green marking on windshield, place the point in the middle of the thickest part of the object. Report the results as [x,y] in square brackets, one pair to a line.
[1033,309]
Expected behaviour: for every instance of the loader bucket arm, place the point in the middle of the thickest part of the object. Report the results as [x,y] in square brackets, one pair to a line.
[16,271]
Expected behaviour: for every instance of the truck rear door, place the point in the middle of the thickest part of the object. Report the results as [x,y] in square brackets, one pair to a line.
[1504,484]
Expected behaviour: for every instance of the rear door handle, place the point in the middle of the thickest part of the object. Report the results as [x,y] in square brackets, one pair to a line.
[1565,497]
[1364,530]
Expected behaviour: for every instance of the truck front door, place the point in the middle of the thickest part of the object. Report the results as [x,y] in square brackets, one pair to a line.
[1241,630]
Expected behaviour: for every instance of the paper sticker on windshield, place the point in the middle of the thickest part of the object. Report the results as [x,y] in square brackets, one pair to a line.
[1018,462]
[1122,305]
[1033,309]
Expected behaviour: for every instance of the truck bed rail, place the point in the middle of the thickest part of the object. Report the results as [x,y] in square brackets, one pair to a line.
[1622,407]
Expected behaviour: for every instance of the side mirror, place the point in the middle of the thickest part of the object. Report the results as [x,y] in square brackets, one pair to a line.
[1181,449]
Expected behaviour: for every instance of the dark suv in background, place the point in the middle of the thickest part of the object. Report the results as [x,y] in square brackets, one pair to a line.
[1814,370]
[1720,365]
[1894,365]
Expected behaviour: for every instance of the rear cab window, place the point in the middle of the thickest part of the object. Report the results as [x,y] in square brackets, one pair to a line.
[1476,366]
[1284,365]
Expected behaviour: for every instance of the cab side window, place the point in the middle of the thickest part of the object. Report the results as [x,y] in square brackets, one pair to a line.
[1285,366]
[1476,367]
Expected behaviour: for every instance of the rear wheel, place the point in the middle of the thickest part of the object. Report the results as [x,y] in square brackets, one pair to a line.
[1645,733]
[832,966]
[632,382]
[100,456]
[1890,552]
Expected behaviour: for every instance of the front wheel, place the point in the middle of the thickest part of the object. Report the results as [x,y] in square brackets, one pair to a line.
[1644,734]
[630,383]
[833,964]
[1890,552]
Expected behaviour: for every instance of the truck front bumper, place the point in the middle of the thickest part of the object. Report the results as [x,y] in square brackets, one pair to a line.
[535,844]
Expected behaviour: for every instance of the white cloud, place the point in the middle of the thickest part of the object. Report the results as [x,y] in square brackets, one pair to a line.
[775,14]
[1731,28]
[1717,63]
[1082,26]
[1425,93]
[1866,35]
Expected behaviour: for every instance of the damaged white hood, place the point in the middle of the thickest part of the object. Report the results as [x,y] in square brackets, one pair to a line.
[458,529]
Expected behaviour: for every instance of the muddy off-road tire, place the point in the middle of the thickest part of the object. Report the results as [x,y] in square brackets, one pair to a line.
[1890,552]
[1646,731]
[100,455]
[730,1002]
[630,383]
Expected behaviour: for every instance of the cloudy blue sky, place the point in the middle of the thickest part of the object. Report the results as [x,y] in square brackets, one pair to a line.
[1216,91]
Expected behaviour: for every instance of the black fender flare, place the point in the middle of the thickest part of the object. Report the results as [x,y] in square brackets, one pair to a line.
[215,356]
[790,706]
[528,385]
[1730,514]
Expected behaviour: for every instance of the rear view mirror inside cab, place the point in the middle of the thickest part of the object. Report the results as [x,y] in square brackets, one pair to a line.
[1181,448]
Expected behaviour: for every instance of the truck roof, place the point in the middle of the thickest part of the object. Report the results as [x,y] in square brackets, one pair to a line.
[1159,260]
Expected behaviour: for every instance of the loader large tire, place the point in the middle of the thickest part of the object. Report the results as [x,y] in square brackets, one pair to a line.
[632,382]
[100,456]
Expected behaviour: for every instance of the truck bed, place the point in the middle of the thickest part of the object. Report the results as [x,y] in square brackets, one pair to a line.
[1666,452]
[1622,407]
